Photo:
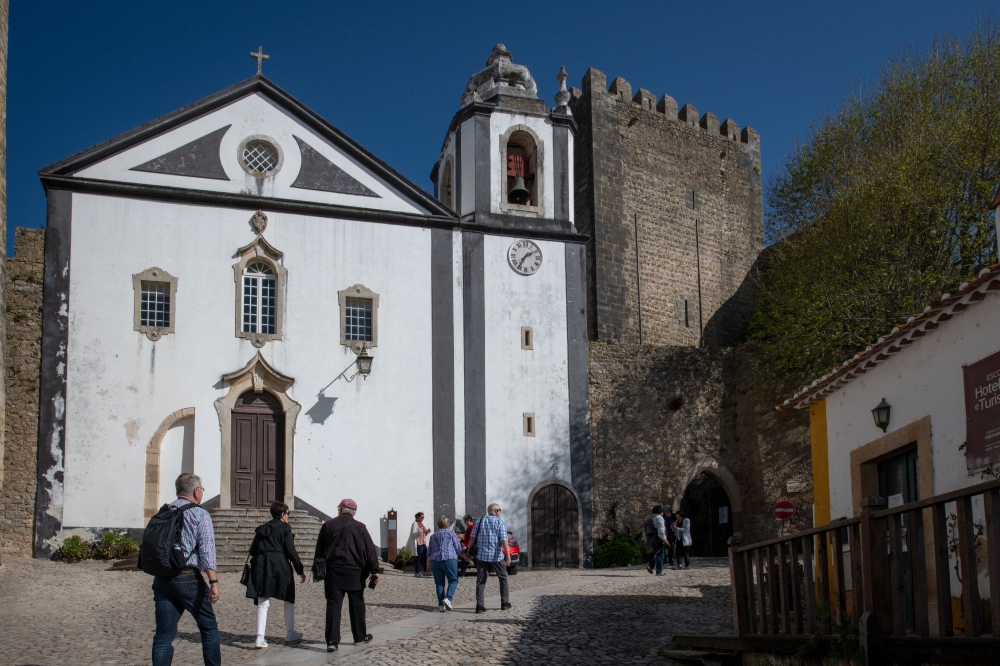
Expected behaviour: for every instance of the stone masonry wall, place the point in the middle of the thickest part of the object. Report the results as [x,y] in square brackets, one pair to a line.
[24,340]
[637,162]
[662,414]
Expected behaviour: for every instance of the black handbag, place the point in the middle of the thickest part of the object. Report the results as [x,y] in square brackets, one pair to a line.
[319,569]
[246,579]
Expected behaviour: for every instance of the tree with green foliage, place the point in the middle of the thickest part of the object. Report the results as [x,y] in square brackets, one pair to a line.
[883,208]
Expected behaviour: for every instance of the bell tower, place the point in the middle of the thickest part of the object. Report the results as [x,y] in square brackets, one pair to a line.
[507,161]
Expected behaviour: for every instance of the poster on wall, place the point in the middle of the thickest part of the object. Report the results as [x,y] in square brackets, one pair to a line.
[982,412]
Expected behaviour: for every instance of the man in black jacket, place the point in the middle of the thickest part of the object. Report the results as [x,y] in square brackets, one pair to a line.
[350,557]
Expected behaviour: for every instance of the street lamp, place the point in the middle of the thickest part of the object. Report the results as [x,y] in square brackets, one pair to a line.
[881,415]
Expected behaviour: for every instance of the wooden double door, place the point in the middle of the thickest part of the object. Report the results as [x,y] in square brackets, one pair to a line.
[555,529]
[258,447]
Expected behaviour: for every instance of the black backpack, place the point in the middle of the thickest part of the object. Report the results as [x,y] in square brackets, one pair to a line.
[158,555]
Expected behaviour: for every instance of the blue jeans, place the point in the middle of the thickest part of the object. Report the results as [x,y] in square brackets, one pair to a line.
[657,560]
[445,569]
[187,592]
[421,560]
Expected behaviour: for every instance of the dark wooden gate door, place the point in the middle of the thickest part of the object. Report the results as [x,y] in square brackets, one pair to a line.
[258,446]
[555,529]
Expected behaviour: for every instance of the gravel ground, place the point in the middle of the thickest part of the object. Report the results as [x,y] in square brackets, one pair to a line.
[55,613]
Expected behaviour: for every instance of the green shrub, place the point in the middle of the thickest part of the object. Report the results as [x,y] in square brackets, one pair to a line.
[116,546]
[75,549]
[404,558]
[617,550]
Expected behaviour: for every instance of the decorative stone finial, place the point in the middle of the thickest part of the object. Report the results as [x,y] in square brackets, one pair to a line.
[562,97]
[258,222]
[502,77]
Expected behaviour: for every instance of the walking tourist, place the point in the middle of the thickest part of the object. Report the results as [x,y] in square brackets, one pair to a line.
[443,549]
[188,591]
[350,558]
[671,547]
[418,533]
[682,528]
[489,538]
[467,553]
[656,538]
[272,550]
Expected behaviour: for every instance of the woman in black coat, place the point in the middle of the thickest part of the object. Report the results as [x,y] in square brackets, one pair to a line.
[272,549]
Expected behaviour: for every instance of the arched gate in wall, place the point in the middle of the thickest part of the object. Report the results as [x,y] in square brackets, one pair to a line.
[554,530]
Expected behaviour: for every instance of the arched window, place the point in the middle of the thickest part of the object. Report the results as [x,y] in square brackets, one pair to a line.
[446,186]
[259,299]
[522,170]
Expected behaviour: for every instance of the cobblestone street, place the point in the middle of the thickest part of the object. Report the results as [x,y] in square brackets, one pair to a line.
[81,614]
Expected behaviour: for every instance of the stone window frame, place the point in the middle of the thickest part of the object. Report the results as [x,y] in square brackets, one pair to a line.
[447,186]
[362,292]
[865,460]
[539,159]
[264,139]
[153,274]
[260,251]
[529,424]
[527,337]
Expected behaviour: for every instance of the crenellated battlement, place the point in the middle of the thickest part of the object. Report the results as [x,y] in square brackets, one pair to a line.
[595,82]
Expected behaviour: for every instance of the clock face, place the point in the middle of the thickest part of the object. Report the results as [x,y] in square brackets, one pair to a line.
[525,257]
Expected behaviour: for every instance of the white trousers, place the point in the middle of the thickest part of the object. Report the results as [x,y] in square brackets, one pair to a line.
[263,604]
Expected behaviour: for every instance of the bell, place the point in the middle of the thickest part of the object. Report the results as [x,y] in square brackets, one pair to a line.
[518,194]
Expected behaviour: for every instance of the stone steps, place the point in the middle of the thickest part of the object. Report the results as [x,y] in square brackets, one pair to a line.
[234,529]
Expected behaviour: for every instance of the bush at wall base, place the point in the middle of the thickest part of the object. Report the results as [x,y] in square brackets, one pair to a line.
[75,549]
[404,558]
[116,546]
[616,550]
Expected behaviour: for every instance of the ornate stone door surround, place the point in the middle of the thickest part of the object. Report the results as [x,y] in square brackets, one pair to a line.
[259,376]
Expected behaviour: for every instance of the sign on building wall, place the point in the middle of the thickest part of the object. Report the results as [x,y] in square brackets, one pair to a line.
[982,412]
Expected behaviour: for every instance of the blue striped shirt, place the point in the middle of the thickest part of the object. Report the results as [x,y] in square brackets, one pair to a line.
[490,534]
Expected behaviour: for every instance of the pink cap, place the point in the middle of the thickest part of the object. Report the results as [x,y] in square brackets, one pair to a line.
[348,504]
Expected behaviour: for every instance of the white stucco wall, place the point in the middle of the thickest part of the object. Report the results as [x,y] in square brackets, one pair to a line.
[121,385]
[925,379]
[519,381]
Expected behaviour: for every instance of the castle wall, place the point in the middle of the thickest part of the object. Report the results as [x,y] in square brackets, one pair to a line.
[637,163]
[24,335]
[660,415]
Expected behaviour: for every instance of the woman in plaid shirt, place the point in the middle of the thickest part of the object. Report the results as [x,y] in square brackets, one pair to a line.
[443,550]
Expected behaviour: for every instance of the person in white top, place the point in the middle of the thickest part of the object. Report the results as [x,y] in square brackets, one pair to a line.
[419,535]
[682,528]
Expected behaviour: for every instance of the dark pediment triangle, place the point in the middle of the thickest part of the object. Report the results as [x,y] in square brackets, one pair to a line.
[198,159]
[319,173]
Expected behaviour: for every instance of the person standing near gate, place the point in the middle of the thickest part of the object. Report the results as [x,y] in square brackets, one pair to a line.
[682,528]
[489,538]
[350,557]
[656,538]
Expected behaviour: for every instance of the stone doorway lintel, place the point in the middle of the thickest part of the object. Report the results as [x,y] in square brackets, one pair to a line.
[258,376]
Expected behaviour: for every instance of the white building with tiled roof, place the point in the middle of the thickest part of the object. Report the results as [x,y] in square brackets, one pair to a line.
[937,374]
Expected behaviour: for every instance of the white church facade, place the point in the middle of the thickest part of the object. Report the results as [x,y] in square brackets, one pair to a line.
[240,290]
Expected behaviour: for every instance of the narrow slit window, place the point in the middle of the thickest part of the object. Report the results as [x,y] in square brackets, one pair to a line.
[155,304]
[358,319]
[259,299]
[529,425]
[527,338]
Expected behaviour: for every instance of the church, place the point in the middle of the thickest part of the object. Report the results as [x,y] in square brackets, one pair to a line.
[240,290]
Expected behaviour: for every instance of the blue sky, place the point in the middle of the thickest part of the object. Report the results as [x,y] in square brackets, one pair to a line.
[391,74]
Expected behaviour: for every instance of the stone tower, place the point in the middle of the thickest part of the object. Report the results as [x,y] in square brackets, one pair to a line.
[673,207]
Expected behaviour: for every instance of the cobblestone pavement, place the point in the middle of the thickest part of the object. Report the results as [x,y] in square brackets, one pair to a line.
[80,614]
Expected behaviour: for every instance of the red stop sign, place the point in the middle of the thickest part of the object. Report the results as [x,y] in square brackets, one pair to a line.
[784,510]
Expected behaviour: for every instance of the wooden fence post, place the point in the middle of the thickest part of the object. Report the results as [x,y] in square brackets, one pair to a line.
[737,574]
[873,569]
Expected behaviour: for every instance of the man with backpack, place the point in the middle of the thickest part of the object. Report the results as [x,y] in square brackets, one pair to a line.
[656,538]
[177,545]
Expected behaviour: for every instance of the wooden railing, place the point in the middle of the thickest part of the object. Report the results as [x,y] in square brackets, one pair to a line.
[891,567]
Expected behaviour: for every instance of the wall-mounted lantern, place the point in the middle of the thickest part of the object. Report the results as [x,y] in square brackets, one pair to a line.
[881,415]
[364,362]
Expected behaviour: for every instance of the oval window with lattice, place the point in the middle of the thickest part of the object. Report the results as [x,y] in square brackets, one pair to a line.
[260,158]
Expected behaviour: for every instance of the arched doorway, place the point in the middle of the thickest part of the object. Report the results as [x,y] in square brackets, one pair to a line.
[708,506]
[554,529]
[258,451]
